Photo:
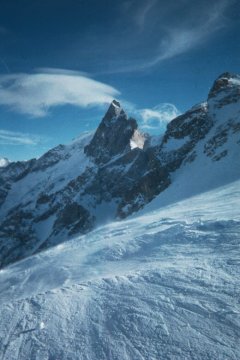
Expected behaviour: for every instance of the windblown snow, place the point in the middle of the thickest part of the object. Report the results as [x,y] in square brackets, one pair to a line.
[164,285]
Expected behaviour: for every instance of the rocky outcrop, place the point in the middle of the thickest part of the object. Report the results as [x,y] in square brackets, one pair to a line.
[182,135]
[17,236]
[113,135]
[12,173]
[225,90]
[73,219]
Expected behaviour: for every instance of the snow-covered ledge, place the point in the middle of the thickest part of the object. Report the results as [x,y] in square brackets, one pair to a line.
[138,140]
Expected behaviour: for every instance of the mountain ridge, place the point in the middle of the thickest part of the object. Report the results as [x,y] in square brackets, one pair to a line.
[112,173]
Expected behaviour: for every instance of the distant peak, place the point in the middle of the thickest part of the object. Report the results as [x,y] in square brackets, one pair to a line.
[227,75]
[224,81]
[113,111]
[116,103]
[113,135]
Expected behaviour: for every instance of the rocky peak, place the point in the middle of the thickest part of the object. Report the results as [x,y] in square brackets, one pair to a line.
[224,83]
[70,194]
[113,135]
[113,111]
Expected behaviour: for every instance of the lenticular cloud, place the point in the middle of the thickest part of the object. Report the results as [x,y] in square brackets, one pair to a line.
[34,94]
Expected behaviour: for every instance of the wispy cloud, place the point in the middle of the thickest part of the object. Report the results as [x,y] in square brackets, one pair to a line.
[157,117]
[178,39]
[34,94]
[142,12]
[17,138]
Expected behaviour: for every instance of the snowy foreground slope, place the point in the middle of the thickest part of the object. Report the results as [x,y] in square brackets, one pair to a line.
[164,285]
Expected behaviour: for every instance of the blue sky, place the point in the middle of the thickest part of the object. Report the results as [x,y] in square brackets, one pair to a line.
[63,61]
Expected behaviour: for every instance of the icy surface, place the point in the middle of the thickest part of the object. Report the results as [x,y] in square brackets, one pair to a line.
[164,285]
[137,140]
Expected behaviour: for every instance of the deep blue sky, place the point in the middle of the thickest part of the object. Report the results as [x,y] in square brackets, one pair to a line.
[62,61]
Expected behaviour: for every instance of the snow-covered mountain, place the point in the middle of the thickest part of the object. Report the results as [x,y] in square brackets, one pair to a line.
[117,171]
[162,284]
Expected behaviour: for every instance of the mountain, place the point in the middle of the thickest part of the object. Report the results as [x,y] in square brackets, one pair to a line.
[162,283]
[118,171]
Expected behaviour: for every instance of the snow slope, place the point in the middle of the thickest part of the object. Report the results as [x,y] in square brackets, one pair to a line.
[70,162]
[164,285]
[202,174]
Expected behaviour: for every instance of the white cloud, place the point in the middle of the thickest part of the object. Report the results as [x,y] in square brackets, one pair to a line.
[3,162]
[158,117]
[34,94]
[17,138]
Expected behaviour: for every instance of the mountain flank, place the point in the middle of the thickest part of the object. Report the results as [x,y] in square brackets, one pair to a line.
[115,172]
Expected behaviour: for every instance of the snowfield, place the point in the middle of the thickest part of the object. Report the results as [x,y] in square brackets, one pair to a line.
[162,286]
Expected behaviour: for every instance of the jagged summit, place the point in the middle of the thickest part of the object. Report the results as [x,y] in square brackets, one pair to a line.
[113,111]
[228,75]
[113,134]
[117,171]
[224,83]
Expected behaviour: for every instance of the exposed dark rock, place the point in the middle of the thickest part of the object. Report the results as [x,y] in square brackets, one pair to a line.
[215,142]
[220,156]
[50,158]
[190,158]
[189,128]
[220,138]
[224,90]
[74,218]
[220,84]
[46,214]
[14,172]
[43,199]
[19,238]
[155,179]
[112,136]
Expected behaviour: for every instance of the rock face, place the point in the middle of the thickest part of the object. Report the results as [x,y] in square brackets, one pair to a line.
[225,87]
[11,174]
[112,173]
[112,136]
[182,135]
